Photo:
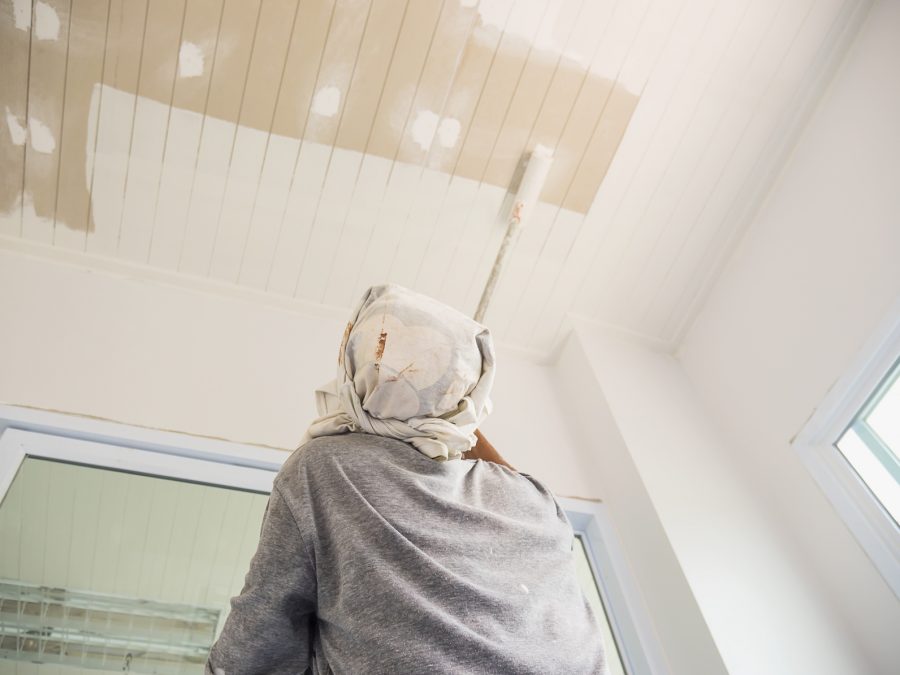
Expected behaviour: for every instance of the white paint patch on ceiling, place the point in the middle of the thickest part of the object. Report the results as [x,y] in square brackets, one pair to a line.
[448,132]
[327,101]
[424,127]
[17,131]
[46,22]
[190,60]
[42,138]
[22,14]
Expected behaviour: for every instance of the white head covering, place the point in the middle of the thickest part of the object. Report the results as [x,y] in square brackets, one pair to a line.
[409,368]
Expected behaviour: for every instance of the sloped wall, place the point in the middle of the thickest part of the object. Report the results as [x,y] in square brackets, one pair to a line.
[812,278]
[764,610]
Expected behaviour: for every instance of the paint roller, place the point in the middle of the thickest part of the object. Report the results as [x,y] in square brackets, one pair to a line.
[529,191]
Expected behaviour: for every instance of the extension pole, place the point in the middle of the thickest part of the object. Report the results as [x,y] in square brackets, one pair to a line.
[529,191]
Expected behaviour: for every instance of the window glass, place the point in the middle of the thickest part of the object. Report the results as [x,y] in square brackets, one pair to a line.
[872,443]
[111,571]
[885,416]
[592,593]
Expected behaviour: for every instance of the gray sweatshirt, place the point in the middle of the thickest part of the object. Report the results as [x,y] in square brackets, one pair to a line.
[376,559]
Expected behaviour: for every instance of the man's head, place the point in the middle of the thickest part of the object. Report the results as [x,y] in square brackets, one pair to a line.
[411,368]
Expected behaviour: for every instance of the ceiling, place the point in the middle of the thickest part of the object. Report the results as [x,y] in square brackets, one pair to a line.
[310,148]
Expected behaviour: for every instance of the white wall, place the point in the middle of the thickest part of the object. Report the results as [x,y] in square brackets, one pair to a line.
[764,613]
[151,354]
[532,427]
[678,621]
[814,274]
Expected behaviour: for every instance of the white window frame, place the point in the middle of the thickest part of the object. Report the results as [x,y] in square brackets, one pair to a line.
[40,434]
[629,618]
[35,433]
[863,514]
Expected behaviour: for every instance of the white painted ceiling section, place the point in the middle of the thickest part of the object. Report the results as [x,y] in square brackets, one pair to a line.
[349,142]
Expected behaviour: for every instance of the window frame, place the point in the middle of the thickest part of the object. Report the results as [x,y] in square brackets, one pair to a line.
[867,434]
[858,507]
[26,432]
[629,618]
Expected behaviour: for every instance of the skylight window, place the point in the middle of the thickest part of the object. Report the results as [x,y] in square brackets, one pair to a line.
[871,444]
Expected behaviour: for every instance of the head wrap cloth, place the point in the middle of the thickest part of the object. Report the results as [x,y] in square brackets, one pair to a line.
[409,368]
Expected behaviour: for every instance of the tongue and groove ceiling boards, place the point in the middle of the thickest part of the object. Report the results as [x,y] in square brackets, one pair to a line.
[310,148]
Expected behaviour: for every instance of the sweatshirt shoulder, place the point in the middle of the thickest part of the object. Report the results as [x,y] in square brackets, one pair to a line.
[309,457]
[328,453]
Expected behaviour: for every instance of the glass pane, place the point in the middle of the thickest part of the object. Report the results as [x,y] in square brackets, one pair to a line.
[885,417]
[104,571]
[872,472]
[592,593]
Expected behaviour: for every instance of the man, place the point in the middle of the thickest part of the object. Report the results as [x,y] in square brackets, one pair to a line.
[396,539]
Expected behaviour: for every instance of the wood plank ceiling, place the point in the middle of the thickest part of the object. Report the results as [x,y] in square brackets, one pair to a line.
[310,148]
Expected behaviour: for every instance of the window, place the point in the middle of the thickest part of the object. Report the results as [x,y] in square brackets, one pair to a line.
[851,446]
[592,592]
[628,634]
[872,443]
[121,557]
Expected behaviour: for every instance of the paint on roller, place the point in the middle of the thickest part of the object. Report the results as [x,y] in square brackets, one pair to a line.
[17,132]
[46,22]
[532,183]
[190,60]
[327,101]
[42,138]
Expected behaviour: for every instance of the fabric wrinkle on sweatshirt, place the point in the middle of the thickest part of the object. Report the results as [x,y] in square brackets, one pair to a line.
[374,558]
